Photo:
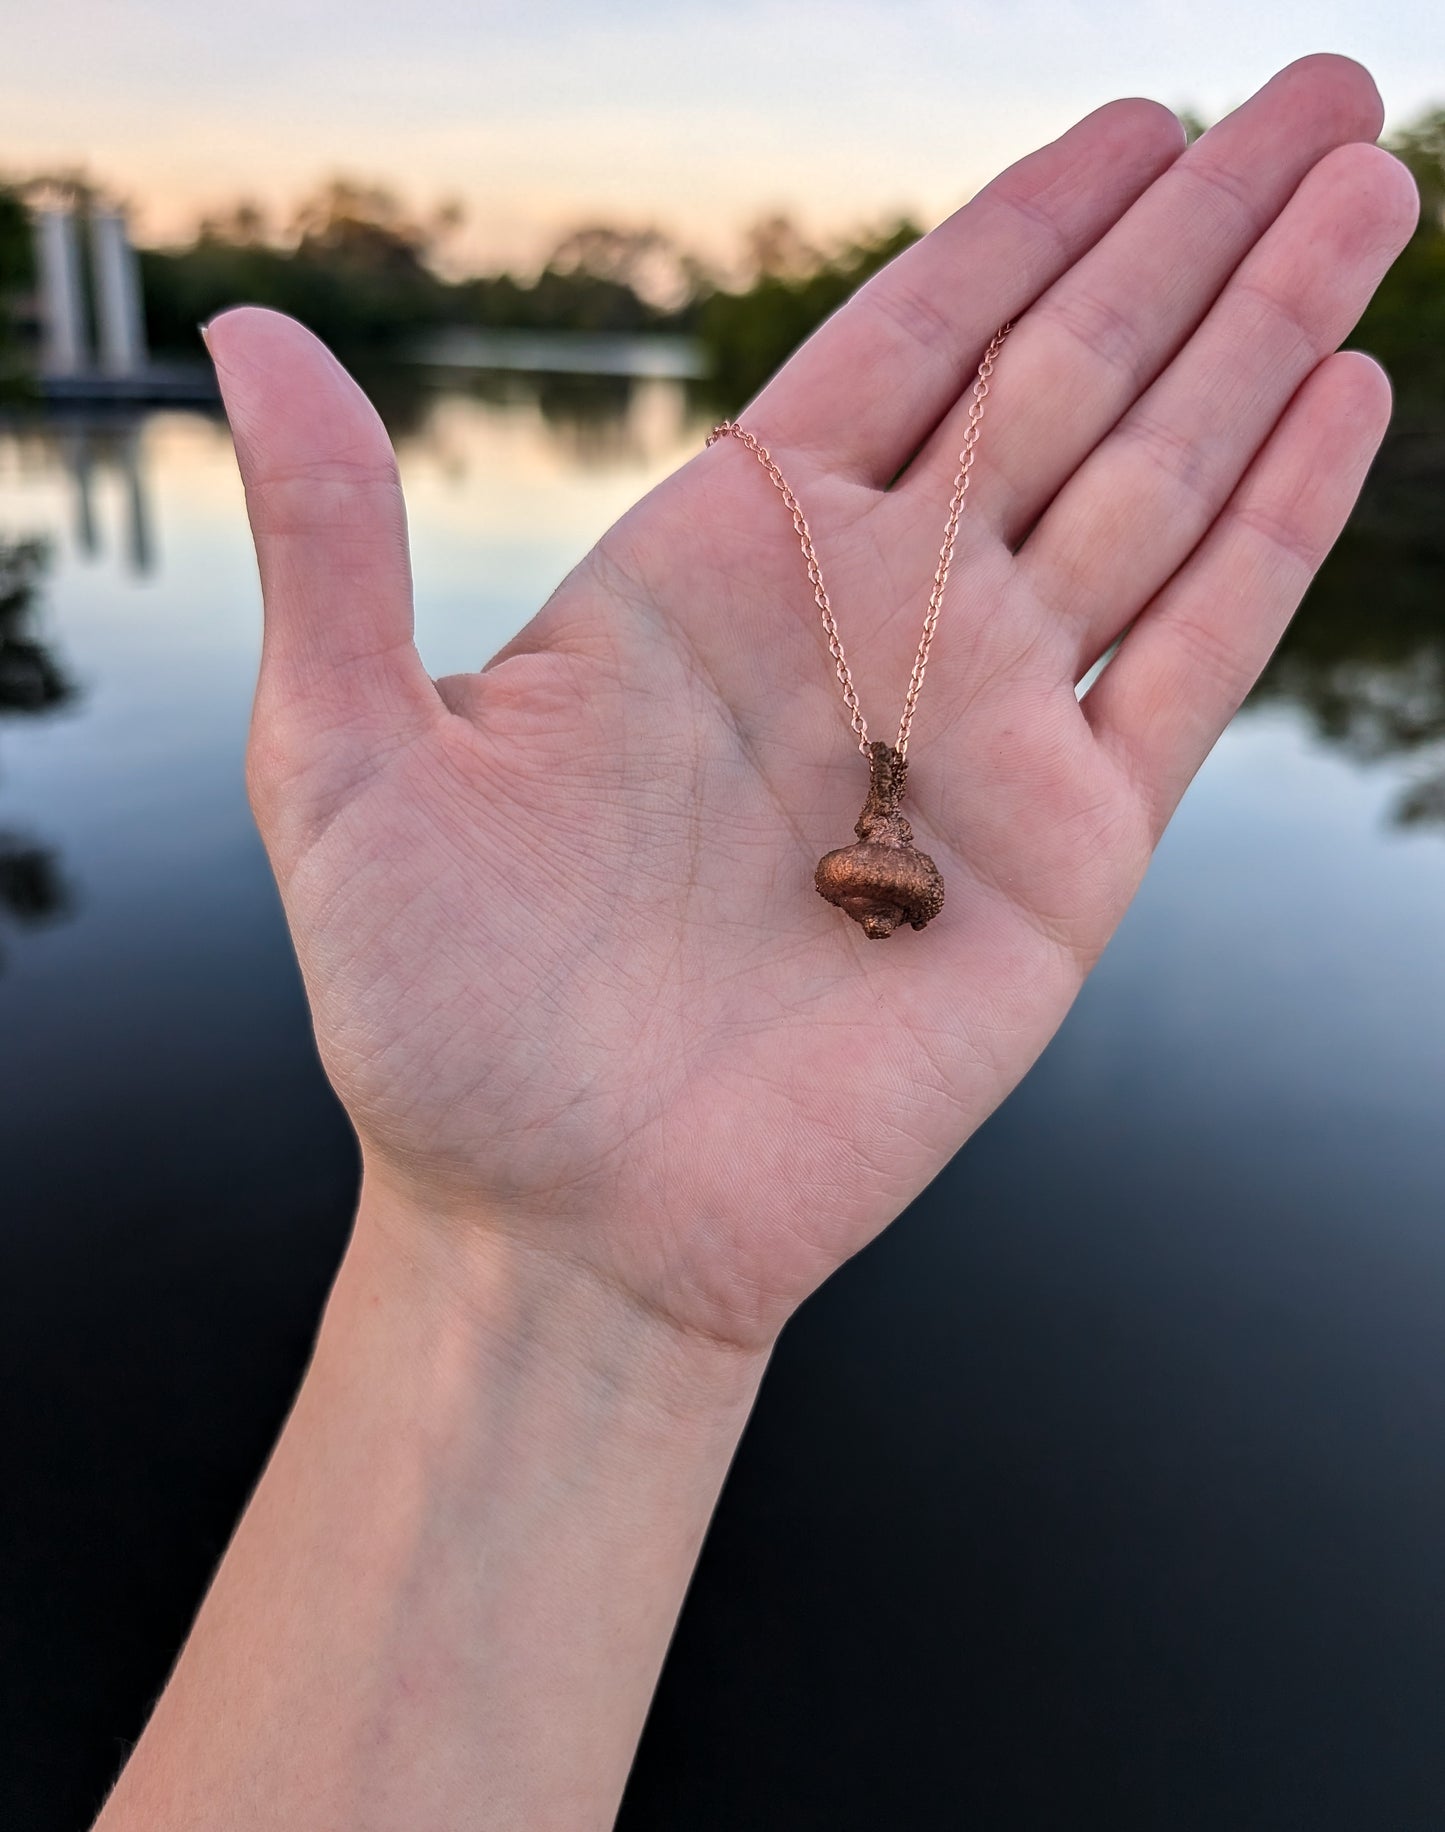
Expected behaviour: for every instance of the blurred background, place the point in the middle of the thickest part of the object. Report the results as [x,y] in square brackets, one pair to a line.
[1108,1488]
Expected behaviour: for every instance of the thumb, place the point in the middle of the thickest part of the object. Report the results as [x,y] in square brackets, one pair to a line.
[329,524]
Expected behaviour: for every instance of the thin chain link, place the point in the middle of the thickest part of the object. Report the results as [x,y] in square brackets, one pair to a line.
[820,591]
[731,429]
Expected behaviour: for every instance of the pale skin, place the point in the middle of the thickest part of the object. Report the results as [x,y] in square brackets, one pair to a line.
[626,1089]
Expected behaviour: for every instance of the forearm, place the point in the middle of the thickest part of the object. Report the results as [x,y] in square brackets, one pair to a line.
[448,1601]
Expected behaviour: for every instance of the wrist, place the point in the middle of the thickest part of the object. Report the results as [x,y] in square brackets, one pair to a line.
[451,1593]
[483,1292]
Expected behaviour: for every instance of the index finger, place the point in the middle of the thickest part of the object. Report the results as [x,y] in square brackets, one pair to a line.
[864,392]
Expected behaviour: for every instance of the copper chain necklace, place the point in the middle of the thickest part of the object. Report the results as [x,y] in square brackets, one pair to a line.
[884,880]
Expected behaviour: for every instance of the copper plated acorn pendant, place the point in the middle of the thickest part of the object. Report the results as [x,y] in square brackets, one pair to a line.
[884,880]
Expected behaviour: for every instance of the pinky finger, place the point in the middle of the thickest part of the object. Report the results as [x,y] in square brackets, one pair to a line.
[1184,668]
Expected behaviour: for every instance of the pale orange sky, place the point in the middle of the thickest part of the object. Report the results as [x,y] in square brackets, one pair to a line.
[698,115]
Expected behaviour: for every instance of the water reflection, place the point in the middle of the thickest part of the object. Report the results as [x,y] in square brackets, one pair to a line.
[85,449]
[32,888]
[31,680]
[592,422]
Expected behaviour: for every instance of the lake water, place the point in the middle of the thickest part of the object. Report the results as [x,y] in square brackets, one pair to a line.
[1107,1489]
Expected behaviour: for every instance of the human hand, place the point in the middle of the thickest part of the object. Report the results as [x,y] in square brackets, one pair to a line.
[556,919]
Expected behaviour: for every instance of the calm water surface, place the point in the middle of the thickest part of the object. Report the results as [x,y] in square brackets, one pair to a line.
[1108,1489]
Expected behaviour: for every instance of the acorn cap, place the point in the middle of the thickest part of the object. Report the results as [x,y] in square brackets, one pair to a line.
[881,886]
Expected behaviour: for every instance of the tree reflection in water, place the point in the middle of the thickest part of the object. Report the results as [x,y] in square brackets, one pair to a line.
[593,422]
[33,890]
[30,678]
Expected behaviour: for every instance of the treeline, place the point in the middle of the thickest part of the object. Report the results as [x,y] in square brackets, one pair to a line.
[17,275]
[370,276]
[748,332]
[1404,324]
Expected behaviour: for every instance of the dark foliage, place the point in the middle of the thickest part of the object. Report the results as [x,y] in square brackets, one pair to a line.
[748,334]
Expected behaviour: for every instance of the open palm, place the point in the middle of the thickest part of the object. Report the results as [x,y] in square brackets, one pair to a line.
[568,970]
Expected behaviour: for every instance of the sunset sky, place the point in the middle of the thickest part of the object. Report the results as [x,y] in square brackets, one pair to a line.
[697,115]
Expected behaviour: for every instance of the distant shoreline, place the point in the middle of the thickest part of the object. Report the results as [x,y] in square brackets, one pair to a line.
[642,354]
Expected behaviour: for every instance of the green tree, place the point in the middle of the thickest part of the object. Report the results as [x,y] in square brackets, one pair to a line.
[748,334]
[17,270]
[1404,324]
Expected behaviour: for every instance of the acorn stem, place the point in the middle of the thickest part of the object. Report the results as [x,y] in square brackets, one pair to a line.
[887,779]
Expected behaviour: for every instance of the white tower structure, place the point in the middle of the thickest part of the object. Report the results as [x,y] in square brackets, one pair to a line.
[65,350]
[120,326]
